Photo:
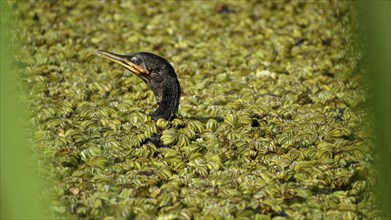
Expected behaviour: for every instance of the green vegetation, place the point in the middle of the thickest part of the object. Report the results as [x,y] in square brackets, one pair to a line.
[272,121]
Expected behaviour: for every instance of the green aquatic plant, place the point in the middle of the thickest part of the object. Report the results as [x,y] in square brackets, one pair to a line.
[272,121]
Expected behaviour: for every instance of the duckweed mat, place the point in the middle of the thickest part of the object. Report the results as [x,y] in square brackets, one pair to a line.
[272,122]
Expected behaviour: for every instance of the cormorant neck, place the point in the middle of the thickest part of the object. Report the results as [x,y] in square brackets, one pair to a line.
[168,101]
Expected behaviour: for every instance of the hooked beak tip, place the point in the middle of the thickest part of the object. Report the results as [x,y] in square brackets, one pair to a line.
[99,52]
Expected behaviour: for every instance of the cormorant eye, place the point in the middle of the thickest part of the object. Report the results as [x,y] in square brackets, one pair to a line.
[136,60]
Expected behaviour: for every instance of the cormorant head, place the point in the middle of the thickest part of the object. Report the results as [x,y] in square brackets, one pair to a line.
[158,74]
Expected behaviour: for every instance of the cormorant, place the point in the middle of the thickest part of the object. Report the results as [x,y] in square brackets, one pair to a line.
[158,74]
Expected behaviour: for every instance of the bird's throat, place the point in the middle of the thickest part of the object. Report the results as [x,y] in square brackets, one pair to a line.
[168,103]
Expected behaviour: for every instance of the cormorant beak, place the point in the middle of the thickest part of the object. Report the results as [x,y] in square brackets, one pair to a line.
[122,60]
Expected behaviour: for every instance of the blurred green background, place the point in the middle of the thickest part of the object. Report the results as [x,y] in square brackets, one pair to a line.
[273,122]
